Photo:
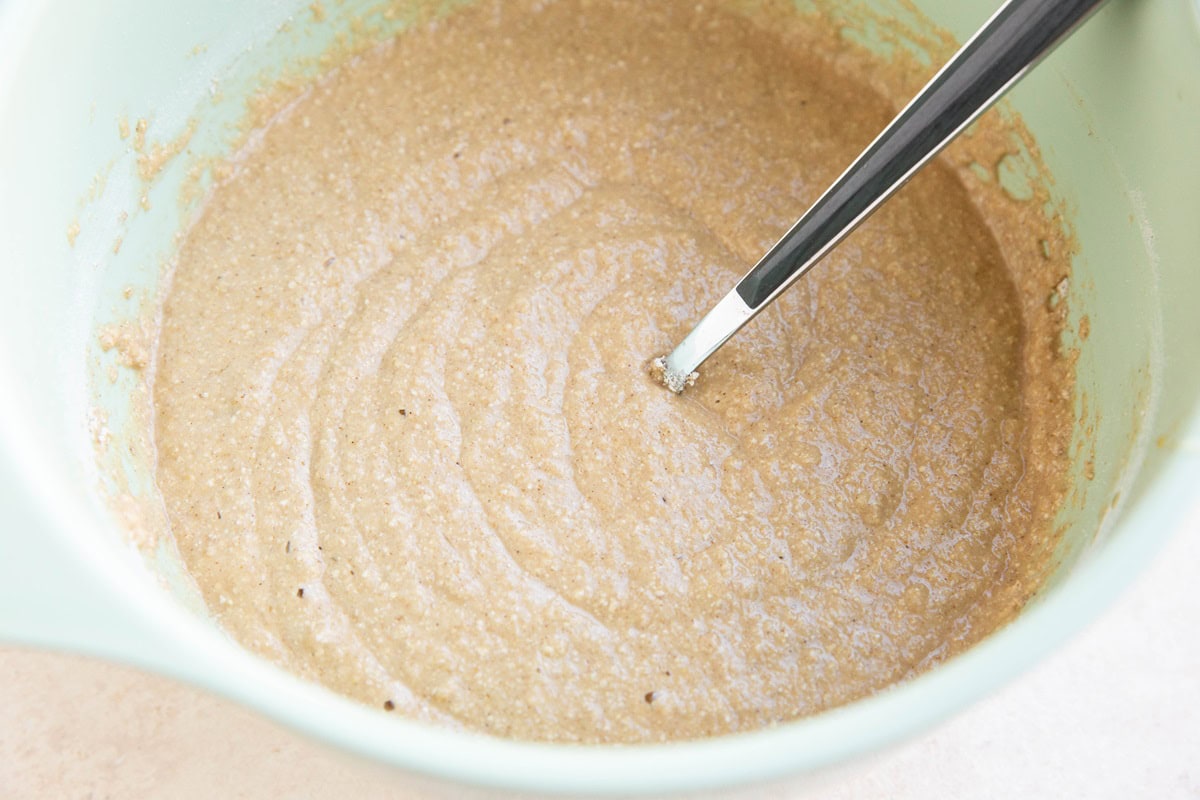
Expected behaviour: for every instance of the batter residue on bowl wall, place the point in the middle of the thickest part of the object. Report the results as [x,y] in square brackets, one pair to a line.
[407,439]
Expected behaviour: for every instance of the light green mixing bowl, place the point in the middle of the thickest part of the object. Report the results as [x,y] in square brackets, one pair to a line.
[1116,112]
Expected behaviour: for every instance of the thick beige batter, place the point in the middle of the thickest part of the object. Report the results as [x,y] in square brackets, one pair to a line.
[410,447]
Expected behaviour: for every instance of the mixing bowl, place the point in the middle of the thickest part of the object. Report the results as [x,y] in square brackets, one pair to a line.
[85,228]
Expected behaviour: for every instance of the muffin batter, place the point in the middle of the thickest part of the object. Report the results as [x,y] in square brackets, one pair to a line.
[410,447]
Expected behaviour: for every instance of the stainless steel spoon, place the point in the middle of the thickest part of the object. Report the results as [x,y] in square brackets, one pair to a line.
[1017,36]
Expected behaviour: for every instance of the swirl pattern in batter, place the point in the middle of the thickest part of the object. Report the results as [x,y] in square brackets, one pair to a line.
[410,448]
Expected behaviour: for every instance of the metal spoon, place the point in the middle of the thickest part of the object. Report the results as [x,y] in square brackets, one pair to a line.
[1017,36]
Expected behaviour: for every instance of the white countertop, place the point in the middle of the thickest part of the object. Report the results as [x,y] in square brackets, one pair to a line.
[1114,714]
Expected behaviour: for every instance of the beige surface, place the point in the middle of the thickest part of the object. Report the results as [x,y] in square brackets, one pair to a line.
[410,447]
[1112,715]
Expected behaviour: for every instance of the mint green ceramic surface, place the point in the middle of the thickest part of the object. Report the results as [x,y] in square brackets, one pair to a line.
[1116,113]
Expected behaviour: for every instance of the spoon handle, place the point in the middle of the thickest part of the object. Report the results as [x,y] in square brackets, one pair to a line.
[996,57]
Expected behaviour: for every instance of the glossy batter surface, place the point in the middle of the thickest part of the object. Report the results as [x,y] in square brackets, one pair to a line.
[408,440]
